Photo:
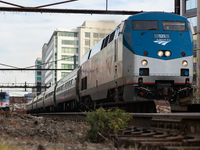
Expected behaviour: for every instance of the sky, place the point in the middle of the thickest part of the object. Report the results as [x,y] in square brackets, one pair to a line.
[23,34]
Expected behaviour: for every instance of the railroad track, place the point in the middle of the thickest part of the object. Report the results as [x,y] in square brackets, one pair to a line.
[163,131]
[155,130]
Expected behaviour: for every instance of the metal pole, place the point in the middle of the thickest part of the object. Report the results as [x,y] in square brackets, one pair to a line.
[177,7]
[25,86]
[198,50]
[106,5]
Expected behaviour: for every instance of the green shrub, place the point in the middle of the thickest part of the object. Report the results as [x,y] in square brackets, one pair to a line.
[102,123]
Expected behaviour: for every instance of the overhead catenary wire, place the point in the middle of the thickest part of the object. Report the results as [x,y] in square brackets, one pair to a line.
[34,65]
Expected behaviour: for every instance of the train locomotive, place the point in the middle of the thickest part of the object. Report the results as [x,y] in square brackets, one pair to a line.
[4,101]
[148,57]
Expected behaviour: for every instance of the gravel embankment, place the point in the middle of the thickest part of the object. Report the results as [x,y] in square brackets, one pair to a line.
[19,131]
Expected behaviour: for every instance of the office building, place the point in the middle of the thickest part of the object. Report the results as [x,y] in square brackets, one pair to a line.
[38,75]
[59,53]
[66,44]
[28,97]
[90,33]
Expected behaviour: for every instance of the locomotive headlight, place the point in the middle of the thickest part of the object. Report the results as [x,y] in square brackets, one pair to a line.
[167,53]
[160,53]
[144,62]
[184,63]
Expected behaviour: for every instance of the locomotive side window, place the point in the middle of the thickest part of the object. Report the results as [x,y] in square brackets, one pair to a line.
[105,42]
[112,36]
[145,25]
[84,83]
[174,26]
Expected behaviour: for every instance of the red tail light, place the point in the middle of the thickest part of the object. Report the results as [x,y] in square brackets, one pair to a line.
[145,53]
[182,54]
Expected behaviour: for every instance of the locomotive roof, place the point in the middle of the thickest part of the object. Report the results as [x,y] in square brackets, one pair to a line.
[156,16]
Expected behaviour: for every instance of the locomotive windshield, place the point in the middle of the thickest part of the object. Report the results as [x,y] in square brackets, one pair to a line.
[145,25]
[174,25]
[2,96]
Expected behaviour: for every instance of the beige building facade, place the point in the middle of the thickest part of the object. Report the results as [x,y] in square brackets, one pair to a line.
[90,33]
[66,43]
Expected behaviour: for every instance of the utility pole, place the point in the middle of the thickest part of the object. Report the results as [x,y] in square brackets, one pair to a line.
[177,7]
[106,5]
[198,52]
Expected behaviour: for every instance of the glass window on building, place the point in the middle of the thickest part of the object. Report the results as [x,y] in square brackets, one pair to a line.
[86,50]
[95,42]
[67,66]
[68,58]
[101,35]
[87,34]
[95,35]
[190,6]
[69,42]
[195,41]
[87,42]
[39,61]
[194,57]
[68,34]
[39,67]
[39,83]
[193,20]
[39,78]
[39,73]
[69,50]
[63,74]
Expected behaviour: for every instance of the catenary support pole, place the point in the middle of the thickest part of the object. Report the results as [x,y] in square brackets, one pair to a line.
[198,51]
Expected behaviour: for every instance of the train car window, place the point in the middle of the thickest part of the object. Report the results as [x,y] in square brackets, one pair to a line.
[84,83]
[106,41]
[102,44]
[174,25]
[112,36]
[89,54]
[145,25]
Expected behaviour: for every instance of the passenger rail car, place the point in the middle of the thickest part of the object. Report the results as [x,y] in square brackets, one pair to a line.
[4,101]
[149,56]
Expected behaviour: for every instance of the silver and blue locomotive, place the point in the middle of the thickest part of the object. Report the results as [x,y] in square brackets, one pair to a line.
[149,56]
[4,101]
